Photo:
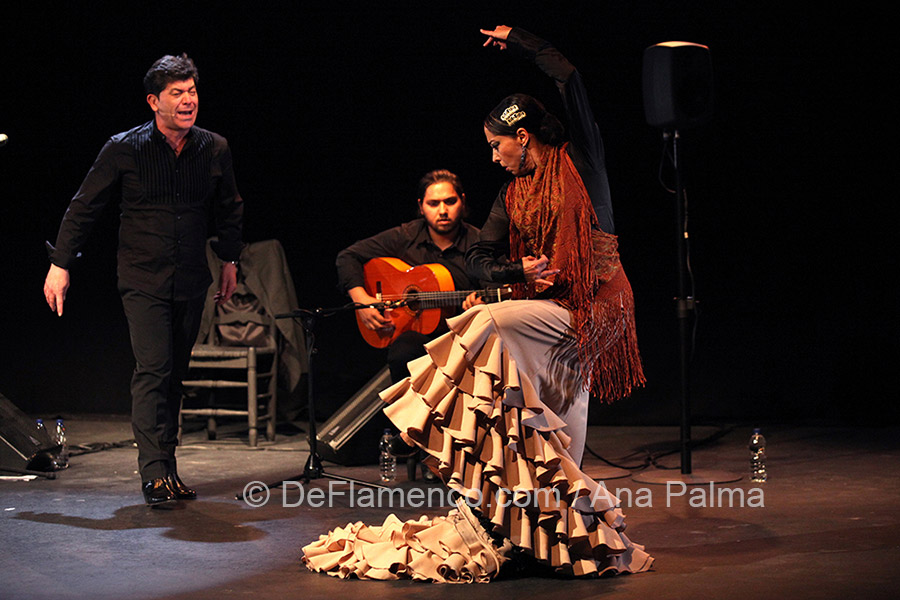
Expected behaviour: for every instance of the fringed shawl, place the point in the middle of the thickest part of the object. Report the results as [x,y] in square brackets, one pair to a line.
[551,213]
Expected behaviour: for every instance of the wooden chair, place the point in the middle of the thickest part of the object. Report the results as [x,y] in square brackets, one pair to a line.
[236,361]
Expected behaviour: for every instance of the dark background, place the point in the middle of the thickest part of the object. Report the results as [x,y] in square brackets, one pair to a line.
[334,111]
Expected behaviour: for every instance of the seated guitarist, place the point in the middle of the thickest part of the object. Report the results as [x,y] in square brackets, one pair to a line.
[440,236]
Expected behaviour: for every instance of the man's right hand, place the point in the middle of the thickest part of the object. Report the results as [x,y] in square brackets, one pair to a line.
[55,287]
[370,317]
[374,320]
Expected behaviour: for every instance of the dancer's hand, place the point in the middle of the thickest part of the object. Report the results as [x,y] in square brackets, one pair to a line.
[536,270]
[497,36]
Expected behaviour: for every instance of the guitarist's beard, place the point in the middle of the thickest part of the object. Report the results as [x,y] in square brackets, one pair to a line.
[445,227]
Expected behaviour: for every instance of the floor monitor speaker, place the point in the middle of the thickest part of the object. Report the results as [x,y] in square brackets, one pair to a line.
[351,435]
[23,447]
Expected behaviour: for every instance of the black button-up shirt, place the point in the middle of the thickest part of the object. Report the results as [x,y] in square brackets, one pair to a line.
[410,243]
[165,205]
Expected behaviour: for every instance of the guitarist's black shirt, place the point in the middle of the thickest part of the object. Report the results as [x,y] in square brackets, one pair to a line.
[410,243]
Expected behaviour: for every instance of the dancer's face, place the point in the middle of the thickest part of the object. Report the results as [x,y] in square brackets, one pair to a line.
[506,151]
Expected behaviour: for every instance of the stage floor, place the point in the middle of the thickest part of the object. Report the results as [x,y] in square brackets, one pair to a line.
[825,525]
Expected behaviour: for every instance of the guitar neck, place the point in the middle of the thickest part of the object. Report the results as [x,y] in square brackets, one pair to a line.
[419,293]
[425,300]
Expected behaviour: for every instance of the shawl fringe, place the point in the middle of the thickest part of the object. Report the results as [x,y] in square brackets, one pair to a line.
[551,214]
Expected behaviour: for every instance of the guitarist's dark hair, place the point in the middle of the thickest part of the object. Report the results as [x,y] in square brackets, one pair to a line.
[439,175]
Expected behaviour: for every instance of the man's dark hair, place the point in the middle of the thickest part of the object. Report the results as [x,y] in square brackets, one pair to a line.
[168,69]
[437,176]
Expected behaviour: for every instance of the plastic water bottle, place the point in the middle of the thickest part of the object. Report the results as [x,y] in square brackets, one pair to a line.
[757,457]
[62,460]
[386,461]
[42,431]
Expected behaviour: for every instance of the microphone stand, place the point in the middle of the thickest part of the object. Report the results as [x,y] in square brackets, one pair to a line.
[685,306]
[313,469]
[24,472]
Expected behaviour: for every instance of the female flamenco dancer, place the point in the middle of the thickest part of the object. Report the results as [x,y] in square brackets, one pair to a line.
[499,404]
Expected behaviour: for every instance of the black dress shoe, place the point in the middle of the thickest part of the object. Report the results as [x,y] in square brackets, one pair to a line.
[157,492]
[181,491]
[429,475]
[399,448]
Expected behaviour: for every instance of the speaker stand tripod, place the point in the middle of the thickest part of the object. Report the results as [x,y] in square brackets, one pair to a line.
[685,306]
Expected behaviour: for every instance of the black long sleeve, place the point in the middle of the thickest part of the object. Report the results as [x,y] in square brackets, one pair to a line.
[165,203]
[486,260]
[410,243]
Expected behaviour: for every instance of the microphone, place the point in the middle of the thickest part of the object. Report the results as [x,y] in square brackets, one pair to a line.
[3,139]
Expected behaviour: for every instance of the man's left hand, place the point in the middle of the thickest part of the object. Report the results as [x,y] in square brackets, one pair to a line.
[471,300]
[227,282]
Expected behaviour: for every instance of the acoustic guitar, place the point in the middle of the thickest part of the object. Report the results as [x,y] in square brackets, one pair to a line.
[415,298]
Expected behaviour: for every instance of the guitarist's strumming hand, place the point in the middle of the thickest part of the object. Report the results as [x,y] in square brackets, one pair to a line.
[371,317]
[536,270]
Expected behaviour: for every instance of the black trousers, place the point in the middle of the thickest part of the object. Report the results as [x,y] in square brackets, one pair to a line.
[162,334]
[408,346]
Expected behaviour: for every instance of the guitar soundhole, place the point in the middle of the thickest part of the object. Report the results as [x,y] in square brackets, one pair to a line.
[411,296]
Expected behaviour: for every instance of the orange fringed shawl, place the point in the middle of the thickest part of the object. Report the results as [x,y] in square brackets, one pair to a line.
[551,213]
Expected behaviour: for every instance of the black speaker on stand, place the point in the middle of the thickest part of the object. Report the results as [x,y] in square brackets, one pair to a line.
[678,85]
[24,449]
[678,95]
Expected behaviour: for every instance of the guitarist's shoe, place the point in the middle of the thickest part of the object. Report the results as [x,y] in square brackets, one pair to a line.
[428,475]
[399,448]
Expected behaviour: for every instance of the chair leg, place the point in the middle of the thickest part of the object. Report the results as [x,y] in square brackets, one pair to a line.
[273,400]
[252,398]
[270,428]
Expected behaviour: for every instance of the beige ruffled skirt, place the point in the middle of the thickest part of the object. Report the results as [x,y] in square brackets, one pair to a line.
[485,405]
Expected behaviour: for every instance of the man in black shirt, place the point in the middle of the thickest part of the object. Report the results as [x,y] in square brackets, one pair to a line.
[440,236]
[167,175]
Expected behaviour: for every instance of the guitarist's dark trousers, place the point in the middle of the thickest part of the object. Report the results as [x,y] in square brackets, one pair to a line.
[408,346]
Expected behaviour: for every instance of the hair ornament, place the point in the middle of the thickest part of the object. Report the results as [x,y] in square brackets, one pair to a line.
[512,115]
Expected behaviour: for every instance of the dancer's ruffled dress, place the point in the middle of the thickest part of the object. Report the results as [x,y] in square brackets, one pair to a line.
[477,404]
[499,403]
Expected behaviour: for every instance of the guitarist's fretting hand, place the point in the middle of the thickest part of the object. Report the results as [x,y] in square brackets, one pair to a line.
[536,270]
[371,317]
[471,300]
